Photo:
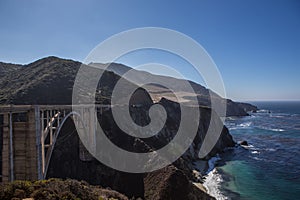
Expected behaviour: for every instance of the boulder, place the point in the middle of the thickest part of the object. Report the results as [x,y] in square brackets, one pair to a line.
[244,143]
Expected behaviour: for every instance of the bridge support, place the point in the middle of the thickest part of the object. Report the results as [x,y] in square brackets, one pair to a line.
[19,151]
[29,136]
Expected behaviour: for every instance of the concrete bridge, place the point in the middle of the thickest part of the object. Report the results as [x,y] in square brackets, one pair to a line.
[29,135]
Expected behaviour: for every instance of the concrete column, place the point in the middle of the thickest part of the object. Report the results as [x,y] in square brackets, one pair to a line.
[5,150]
[31,153]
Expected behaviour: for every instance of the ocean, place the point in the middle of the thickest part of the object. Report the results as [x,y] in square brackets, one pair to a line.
[269,168]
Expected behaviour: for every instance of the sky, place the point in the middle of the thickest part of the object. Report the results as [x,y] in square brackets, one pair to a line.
[255,44]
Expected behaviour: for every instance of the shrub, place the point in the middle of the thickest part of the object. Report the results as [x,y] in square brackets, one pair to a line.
[44,194]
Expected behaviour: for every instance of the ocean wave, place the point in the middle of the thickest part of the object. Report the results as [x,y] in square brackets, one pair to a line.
[213,179]
[257,158]
[270,149]
[212,184]
[280,115]
[277,116]
[263,111]
[245,125]
[252,149]
[277,129]
[249,146]
[272,129]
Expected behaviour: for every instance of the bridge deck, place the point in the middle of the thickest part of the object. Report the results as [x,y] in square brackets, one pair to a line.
[25,108]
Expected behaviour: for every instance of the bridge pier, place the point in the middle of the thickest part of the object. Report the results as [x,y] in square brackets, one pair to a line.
[19,150]
[5,150]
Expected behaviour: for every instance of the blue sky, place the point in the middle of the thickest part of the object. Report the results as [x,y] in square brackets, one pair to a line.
[255,44]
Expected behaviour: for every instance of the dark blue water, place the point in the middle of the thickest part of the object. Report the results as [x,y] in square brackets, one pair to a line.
[270,167]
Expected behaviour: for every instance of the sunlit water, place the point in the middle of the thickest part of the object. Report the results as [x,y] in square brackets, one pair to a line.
[270,167]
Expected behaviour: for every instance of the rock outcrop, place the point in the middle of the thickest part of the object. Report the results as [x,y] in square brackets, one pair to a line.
[247,107]
[243,143]
[171,183]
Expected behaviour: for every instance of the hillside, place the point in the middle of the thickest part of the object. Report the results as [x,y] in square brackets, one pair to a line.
[50,81]
[157,91]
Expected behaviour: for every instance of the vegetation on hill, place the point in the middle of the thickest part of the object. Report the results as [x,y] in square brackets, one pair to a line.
[56,189]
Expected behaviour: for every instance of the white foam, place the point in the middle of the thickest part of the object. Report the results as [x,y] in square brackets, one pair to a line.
[213,184]
[272,129]
[277,129]
[255,152]
[248,147]
[213,180]
[245,125]
[263,111]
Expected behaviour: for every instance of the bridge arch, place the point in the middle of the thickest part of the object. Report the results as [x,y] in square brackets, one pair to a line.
[46,159]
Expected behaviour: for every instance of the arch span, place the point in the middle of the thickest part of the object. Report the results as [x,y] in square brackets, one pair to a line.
[47,159]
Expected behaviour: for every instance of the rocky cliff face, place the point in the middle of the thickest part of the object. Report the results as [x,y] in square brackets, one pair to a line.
[166,183]
[175,185]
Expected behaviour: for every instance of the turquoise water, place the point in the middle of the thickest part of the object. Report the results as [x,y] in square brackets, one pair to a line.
[270,167]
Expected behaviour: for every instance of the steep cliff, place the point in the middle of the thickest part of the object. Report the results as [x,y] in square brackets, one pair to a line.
[66,162]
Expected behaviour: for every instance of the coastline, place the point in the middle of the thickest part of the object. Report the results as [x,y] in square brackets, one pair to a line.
[216,180]
[213,179]
[213,183]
